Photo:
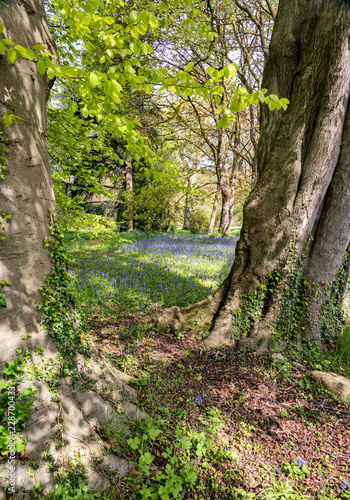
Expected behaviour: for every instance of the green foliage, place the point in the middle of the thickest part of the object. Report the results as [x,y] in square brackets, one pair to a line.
[14,407]
[199,221]
[182,466]
[65,321]
[150,207]
[332,313]
[294,299]
[250,311]
[64,492]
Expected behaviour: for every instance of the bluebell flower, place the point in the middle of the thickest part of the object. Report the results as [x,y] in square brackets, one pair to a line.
[300,462]
[153,334]
[141,343]
[344,485]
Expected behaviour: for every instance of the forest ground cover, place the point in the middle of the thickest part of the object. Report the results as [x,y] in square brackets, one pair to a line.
[221,423]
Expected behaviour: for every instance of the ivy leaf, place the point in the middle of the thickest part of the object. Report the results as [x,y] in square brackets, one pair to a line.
[20,445]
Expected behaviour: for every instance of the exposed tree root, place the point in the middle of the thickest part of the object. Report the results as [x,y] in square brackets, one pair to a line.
[65,428]
[199,316]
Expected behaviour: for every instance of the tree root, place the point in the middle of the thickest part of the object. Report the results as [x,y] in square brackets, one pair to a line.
[199,316]
[64,429]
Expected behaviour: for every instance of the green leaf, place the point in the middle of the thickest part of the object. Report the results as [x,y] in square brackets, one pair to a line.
[2,48]
[189,67]
[50,73]
[9,118]
[109,19]
[133,15]
[26,53]
[1,28]
[153,22]
[134,443]
[223,122]
[41,65]
[93,79]
[38,46]
[261,96]
[232,69]
[11,56]
[20,445]
[8,42]
[72,72]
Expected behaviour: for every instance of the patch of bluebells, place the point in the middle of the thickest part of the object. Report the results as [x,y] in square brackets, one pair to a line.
[166,269]
[344,485]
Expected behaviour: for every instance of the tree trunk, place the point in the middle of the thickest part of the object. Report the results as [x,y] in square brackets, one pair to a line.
[129,192]
[226,213]
[26,190]
[62,427]
[302,155]
[188,206]
[214,211]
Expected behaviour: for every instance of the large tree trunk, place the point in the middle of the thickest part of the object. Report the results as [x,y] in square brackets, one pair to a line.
[302,156]
[26,190]
[27,195]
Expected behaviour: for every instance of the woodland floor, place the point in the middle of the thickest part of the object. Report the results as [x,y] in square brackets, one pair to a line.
[271,415]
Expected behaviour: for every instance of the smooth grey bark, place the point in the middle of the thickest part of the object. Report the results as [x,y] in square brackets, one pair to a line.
[129,192]
[226,212]
[188,206]
[214,211]
[299,159]
[26,190]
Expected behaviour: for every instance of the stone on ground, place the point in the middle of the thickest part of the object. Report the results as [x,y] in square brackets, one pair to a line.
[337,384]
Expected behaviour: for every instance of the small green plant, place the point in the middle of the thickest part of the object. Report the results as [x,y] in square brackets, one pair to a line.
[296,469]
[14,407]
[64,492]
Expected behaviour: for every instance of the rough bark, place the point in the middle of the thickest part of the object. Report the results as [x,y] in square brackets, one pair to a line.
[299,154]
[27,195]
